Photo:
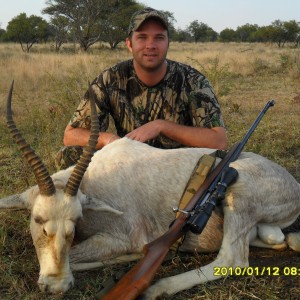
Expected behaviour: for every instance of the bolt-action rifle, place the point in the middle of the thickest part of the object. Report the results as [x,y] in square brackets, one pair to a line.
[193,217]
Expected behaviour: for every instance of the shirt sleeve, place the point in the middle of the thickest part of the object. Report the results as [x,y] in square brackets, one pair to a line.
[82,115]
[204,107]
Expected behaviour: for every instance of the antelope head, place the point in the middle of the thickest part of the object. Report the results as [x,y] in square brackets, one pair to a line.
[55,208]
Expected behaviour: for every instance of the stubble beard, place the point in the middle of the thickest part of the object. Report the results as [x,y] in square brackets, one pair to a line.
[152,67]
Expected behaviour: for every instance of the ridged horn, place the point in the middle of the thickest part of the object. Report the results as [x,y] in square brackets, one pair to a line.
[88,151]
[41,173]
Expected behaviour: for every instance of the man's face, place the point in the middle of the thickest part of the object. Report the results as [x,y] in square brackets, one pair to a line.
[149,45]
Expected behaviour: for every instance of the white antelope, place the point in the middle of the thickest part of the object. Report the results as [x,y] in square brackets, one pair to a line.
[124,199]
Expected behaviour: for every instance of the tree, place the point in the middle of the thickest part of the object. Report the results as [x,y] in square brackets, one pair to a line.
[282,32]
[95,20]
[2,34]
[228,35]
[60,30]
[181,35]
[202,32]
[262,34]
[27,31]
[245,32]
[278,33]
[83,16]
[292,31]
[114,25]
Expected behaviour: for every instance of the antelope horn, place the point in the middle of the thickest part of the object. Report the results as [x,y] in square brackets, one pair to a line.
[88,152]
[41,174]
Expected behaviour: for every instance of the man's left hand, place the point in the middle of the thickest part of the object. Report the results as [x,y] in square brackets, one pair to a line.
[146,132]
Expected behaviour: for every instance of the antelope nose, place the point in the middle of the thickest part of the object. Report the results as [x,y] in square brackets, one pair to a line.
[55,287]
[43,287]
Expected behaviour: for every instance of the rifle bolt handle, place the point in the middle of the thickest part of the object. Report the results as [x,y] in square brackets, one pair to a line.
[176,210]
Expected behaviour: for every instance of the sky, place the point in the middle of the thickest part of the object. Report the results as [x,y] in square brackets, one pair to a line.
[217,14]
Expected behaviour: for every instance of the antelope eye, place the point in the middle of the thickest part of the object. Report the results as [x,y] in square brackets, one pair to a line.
[70,234]
[39,220]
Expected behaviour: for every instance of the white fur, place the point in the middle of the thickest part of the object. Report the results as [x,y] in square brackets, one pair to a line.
[126,199]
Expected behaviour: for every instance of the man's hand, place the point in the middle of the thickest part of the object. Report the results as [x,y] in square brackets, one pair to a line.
[146,132]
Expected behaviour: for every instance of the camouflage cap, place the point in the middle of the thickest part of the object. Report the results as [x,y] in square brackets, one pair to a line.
[142,15]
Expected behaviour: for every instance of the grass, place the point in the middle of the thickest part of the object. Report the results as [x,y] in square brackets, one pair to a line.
[48,87]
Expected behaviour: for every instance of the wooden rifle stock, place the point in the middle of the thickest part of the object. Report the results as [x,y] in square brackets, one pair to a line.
[138,279]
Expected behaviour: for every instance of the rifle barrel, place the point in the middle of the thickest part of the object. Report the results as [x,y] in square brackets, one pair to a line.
[245,139]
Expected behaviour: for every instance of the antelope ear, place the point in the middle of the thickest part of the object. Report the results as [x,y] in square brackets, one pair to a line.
[89,203]
[13,201]
[20,201]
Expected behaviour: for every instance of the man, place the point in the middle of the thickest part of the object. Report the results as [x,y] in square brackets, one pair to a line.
[151,99]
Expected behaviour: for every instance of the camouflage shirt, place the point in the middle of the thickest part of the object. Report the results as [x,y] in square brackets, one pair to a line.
[183,96]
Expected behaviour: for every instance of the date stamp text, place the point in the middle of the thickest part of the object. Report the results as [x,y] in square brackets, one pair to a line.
[256,271]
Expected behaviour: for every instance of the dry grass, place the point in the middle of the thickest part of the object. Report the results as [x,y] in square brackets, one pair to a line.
[48,87]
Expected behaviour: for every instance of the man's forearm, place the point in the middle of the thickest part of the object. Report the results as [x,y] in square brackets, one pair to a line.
[195,136]
[80,137]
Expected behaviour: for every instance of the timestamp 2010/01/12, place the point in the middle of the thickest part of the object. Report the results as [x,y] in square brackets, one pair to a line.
[256,271]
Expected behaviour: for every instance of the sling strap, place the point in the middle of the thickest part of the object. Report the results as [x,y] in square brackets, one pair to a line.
[200,172]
